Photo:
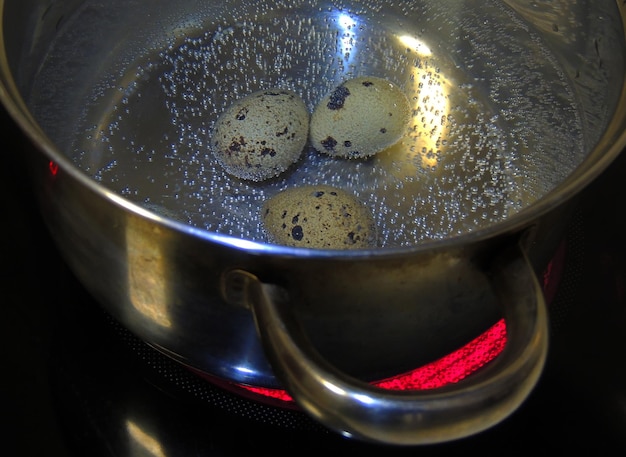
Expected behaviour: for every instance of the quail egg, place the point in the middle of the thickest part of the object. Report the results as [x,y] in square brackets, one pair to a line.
[360,118]
[261,135]
[318,216]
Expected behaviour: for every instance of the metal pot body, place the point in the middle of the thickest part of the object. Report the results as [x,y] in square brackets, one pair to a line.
[373,316]
[367,314]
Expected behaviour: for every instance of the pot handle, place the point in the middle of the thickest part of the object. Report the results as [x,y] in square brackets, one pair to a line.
[359,410]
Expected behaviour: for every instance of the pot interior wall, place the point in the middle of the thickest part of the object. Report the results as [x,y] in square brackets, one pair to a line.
[507,99]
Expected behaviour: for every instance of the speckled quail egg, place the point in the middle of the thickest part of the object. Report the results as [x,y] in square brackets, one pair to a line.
[261,135]
[318,216]
[360,118]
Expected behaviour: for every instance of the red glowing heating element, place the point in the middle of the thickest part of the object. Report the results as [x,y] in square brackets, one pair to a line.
[460,363]
[53,168]
[449,369]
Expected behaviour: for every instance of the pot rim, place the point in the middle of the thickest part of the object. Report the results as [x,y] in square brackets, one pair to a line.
[608,148]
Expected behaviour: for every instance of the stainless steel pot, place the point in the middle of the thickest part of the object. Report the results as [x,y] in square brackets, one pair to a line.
[517,107]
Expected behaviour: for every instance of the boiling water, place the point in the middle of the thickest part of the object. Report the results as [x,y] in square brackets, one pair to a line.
[495,124]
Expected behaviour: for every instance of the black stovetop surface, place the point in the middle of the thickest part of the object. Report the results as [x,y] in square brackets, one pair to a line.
[72,388]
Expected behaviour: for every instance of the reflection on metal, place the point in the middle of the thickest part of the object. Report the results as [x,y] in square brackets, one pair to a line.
[147,284]
[415,45]
[346,39]
[431,109]
[428,89]
[367,399]
[141,443]
[334,388]
[243,369]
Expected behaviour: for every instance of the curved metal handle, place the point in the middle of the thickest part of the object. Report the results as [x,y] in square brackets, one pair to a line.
[357,409]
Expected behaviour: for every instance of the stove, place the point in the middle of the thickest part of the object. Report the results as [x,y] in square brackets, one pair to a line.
[76,383]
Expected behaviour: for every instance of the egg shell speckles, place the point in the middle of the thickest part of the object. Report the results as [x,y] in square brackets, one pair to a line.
[319,217]
[261,135]
[360,118]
